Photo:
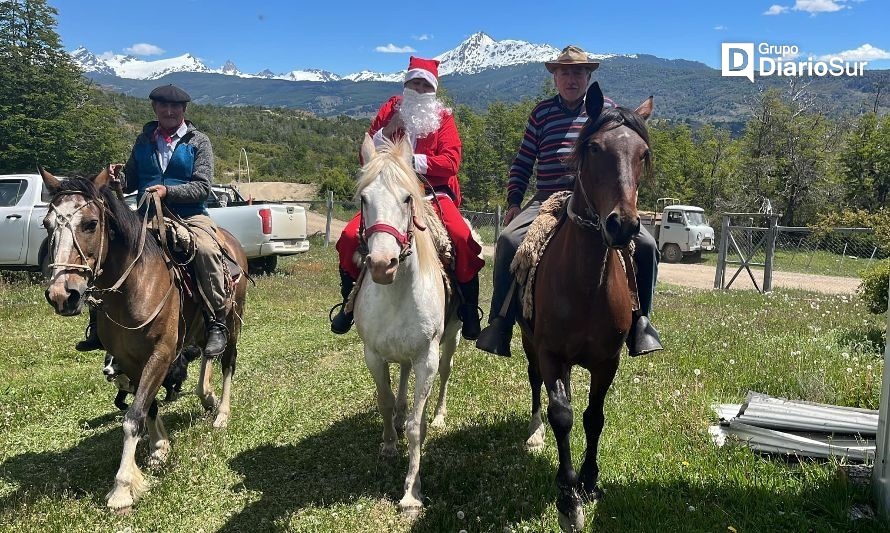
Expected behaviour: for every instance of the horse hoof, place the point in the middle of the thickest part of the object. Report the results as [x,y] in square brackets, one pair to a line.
[209,403]
[389,451]
[438,422]
[573,522]
[123,511]
[221,422]
[535,443]
[120,501]
[410,509]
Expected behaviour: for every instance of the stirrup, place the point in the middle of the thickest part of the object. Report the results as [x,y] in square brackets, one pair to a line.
[341,322]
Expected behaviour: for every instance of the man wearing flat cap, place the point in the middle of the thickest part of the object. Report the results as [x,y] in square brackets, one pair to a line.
[174,160]
[550,134]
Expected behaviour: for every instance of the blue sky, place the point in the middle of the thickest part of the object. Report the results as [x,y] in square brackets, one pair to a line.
[347,36]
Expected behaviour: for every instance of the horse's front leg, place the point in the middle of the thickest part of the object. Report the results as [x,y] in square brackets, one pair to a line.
[401,416]
[385,401]
[424,375]
[559,414]
[446,362]
[159,442]
[129,483]
[594,419]
[224,409]
[535,441]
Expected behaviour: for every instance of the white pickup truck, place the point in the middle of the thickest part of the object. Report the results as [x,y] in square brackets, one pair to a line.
[265,230]
[680,230]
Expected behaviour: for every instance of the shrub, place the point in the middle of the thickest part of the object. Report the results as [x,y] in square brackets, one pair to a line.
[874,286]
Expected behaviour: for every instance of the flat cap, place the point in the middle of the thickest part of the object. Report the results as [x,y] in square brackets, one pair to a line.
[170,94]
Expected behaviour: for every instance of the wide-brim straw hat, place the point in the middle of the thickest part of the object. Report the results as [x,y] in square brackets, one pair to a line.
[572,55]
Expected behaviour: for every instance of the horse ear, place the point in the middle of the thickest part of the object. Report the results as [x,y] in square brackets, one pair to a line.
[646,108]
[102,178]
[593,102]
[406,151]
[51,182]
[368,151]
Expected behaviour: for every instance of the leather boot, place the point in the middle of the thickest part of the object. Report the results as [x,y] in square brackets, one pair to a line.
[469,309]
[495,338]
[91,341]
[217,337]
[342,321]
[643,338]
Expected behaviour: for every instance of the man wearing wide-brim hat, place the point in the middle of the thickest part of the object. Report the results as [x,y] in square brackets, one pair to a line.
[550,135]
[174,160]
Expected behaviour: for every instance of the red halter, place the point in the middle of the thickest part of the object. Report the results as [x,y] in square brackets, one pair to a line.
[404,239]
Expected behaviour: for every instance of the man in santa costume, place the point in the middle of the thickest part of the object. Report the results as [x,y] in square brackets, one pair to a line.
[421,117]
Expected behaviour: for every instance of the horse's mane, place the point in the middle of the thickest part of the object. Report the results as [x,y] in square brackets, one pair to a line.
[390,166]
[610,118]
[125,222]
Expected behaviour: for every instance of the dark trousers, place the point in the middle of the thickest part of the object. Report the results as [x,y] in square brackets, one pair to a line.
[646,257]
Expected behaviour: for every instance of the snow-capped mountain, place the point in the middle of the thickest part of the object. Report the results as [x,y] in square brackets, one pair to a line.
[477,53]
[480,52]
[312,74]
[131,67]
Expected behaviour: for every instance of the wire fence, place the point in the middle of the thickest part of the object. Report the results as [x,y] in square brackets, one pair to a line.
[757,241]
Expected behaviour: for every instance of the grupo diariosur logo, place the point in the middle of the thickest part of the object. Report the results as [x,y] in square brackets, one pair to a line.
[738,60]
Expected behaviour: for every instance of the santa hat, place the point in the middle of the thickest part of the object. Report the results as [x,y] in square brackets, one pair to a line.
[425,69]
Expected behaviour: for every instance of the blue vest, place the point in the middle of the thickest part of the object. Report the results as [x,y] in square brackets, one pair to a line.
[179,171]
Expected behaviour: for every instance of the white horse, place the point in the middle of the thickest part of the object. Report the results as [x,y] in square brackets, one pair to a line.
[400,313]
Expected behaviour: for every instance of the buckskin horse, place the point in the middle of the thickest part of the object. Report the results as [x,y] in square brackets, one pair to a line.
[401,313]
[583,305]
[101,249]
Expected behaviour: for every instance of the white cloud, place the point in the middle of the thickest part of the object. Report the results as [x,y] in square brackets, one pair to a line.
[144,49]
[393,49]
[819,6]
[866,52]
[776,9]
[106,55]
[424,37]
[720,28]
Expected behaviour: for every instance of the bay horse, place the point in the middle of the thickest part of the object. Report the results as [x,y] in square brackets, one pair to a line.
[583,306]
[402,315]
[100,248]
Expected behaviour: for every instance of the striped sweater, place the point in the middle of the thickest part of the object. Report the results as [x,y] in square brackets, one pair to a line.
[550,134]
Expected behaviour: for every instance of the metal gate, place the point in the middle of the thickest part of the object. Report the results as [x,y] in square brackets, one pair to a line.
[746,240]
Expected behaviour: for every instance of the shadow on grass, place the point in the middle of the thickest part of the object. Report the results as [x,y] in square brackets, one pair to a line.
[480,470]
[870,337]
[717,506]
[85,470]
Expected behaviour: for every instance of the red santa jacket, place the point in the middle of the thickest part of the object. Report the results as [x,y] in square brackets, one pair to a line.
[436,156]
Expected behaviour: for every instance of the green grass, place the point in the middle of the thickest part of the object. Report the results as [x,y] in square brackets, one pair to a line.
[807,262]
[300,453]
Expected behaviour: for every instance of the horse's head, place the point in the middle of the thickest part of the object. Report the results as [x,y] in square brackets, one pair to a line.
[77,238]
[390,196]
[611,154]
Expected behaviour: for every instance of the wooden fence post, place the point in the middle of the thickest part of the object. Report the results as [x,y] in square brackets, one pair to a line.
[327,227]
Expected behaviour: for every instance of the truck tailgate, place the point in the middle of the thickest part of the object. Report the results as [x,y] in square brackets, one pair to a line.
[288,222]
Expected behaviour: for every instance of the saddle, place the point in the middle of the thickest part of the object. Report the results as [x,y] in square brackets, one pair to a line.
[534,245]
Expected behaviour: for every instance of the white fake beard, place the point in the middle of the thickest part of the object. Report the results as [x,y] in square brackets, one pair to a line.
[421,112]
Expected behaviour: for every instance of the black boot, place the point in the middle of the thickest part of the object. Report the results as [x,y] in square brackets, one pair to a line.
[469,309]
[495,338]
[643,338]
[217,338]
[91,341]
[342,321]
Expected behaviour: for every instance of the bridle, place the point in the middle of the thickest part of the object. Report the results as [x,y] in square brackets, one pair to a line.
[95,272]
[65,223]
[403,238]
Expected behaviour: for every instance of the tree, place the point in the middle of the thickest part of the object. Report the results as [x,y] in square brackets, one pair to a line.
[865,163]
[47,111]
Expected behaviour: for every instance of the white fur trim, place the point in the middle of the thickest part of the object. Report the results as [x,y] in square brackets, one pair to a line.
[422,74]
[420,163]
